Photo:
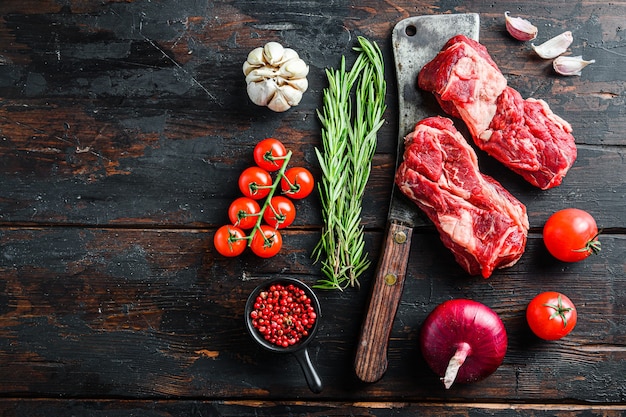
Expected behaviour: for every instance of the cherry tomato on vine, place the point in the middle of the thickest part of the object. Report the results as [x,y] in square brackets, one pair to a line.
[280,213]
[230,241]
[269,154]
[551,315]
[297,183]
[266,242]
[255,182]
[571,235]
[244,212]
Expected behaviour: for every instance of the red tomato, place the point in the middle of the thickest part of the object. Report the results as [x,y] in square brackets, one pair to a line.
[571,235]
[230,241]
[266,242]
[280,213]
[297,183]
[244,212]
[551,315]
[269,154]
[255,182]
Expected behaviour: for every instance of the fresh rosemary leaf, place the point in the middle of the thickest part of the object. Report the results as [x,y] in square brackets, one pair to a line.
[351,115]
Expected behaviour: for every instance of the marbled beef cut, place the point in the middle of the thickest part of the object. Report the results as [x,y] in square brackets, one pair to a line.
[478,220]
[524,135]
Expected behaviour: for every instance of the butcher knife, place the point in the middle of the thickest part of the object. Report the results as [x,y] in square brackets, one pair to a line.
[415,42]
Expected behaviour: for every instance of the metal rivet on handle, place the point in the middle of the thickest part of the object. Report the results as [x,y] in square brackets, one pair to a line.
[399,237]
[391,279]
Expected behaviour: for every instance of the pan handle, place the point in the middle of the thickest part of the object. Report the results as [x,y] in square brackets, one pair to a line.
[371,356]
[310,373]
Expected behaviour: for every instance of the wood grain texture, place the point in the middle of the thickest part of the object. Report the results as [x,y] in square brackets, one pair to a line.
[113,126]
[153,313]
[168,408]
[123,128]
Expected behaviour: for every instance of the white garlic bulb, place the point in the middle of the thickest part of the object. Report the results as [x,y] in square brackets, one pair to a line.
[275,77]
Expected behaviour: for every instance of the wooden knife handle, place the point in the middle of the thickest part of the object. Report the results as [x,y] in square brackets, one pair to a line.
[371,356]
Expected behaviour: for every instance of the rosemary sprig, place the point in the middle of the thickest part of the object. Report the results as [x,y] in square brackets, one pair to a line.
[350,121]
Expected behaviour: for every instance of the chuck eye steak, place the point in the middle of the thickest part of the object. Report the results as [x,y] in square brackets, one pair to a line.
[524,135]
[483,225]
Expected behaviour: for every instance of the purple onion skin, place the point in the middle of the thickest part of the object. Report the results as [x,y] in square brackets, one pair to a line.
[456,321]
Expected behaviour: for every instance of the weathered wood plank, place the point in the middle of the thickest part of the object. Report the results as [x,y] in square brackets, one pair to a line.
[138,313]
[151,132]
[176,186]
[166,408]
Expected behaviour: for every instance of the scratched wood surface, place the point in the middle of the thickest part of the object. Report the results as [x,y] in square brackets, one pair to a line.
[123,128]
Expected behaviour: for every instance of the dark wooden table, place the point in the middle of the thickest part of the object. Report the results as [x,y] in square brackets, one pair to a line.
[123,128]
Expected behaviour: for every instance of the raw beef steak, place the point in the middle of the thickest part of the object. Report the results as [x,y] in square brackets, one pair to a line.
[478,220]
[524,135]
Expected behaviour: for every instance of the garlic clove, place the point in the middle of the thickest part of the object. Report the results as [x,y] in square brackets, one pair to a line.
[570,65]
[298,83]
[279,102]
[294,68]
[285,98]
[555,46]
[289,54]
[262,92]
[255,57]
[291,94]
[247,68]
[273,52]
[520,29]
[260,74]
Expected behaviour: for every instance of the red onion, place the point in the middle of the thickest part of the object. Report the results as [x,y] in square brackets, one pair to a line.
[463,341]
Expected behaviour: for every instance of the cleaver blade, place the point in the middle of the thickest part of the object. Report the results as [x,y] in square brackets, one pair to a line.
[415,42]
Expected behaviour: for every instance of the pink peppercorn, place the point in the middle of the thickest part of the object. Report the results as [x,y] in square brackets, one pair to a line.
[283,314]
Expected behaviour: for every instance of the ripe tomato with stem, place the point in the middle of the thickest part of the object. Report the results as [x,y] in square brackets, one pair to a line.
[266,242]
[280,212]
[255,183]
[244,212]
[551,315]
[571,235]
[230,241]
[270,154]
[297,183]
